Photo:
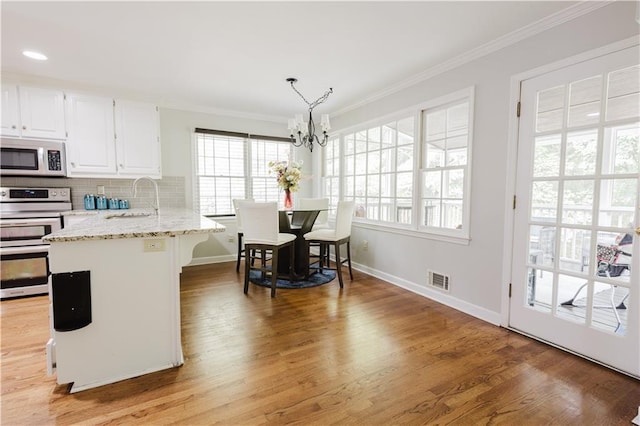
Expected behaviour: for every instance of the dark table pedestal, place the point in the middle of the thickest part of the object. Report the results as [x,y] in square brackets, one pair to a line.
[300,222]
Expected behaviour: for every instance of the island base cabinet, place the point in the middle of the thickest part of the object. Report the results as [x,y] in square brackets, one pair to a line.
[135,307]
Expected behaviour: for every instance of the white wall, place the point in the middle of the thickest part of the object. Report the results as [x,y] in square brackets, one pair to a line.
[476,269]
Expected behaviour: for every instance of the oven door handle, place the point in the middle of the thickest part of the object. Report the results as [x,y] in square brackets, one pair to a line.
[24,250]
[27,222]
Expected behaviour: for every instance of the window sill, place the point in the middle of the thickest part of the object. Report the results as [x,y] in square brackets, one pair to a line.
[412,232]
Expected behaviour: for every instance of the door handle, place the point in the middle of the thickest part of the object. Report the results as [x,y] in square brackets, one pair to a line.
[638,230]
[29,222]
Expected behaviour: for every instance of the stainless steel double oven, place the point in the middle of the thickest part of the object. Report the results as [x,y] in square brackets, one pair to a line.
[27,215]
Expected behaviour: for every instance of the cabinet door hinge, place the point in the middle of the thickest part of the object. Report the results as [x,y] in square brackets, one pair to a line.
[114,102]
[66,134]
[64,96]
[518,110]
[509,290]
[157,109]
[514,202]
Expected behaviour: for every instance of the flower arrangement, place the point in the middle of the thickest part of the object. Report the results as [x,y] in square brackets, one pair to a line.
[288,175]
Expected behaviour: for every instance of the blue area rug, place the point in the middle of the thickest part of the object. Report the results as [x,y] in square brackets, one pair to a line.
[313,281]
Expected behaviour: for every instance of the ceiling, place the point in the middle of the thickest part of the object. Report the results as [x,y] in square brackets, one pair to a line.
[235,56]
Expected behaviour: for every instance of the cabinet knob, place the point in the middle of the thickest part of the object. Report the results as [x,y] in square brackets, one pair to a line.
[24,127]
[121,166]
[73,164]
[14,127]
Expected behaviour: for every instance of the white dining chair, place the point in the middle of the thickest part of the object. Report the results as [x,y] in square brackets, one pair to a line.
[240,231]
[322,222]
[336,237]
[260,226]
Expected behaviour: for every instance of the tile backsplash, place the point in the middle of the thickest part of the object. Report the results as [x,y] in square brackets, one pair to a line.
[170,188]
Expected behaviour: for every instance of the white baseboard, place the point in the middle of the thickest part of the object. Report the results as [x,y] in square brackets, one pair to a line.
[445,299]
[212,259]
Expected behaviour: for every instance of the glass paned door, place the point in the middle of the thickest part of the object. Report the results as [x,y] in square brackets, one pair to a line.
[575,278]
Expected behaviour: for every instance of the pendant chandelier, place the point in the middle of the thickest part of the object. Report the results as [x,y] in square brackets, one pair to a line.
[307,130]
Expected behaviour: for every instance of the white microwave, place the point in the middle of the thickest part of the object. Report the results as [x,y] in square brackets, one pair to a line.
[23,157]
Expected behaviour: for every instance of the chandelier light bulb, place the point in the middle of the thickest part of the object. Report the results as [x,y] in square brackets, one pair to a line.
[324,122]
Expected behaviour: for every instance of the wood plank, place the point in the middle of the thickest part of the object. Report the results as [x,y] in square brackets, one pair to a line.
[370,353]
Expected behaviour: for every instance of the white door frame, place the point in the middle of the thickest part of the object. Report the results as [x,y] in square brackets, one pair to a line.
[513,155]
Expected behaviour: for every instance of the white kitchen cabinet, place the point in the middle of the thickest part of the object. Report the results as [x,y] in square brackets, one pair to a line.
[32,112]
[112,138]
[137,139]
[10,111]
[91,146]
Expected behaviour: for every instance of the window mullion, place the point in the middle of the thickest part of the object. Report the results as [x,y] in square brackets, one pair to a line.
[248,156]
[417,171]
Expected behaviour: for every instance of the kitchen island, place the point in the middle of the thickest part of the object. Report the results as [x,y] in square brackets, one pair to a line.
[123,267]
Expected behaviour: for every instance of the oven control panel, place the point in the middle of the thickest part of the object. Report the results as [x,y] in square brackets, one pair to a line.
[18,195]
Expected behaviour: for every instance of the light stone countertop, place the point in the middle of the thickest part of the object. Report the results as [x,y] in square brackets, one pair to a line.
[134,223]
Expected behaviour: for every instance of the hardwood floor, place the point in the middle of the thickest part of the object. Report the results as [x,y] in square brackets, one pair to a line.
[369,354]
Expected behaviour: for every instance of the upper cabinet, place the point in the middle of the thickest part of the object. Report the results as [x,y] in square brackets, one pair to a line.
[32,112]
[91,148]
[10,111]
[137,139]
[107,138]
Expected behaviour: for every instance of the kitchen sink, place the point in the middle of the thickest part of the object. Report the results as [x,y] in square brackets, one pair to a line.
[124,215]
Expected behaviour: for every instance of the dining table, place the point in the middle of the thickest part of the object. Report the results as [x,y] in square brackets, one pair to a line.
[297,222]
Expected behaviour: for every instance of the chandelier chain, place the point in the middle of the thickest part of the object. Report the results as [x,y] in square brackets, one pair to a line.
[315,103]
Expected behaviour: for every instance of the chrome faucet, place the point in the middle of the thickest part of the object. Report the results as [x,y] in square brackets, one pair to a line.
[155,185]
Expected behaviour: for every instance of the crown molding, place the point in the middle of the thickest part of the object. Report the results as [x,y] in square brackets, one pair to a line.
[506,40]
[223,112]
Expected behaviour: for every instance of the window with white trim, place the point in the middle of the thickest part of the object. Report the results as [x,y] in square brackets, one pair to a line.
[382,164]
[378,170]
[331,173]
[445,174]
[263,185]
[231,166]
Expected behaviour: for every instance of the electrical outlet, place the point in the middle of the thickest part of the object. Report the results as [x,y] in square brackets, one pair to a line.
[230,238]
[100,190]
[154,245]
[365,245]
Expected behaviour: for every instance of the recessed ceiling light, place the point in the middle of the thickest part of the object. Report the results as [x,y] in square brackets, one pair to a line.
[34,55]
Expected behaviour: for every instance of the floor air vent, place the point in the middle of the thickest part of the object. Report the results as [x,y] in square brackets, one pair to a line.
[438,280]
